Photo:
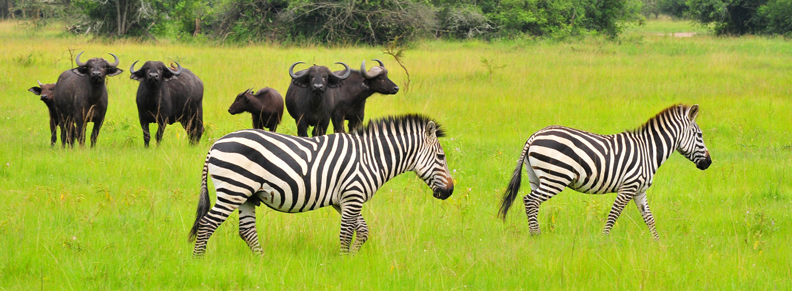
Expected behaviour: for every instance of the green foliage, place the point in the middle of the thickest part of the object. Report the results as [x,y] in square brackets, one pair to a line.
[738,17]
[117,18]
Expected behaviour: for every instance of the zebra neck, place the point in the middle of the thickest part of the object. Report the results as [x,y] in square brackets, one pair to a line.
[386,156]
[661,141]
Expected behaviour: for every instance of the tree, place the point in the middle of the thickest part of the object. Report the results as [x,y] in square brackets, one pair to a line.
[738,17]
[117,17]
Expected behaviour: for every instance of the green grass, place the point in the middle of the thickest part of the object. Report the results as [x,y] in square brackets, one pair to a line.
[117,216]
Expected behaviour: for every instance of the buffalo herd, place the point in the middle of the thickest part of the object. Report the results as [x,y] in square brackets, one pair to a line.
[166,94]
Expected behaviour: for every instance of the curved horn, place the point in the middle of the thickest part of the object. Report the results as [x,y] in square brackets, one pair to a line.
[347,71]
[132,68]
[77,60]
[178,69]
[115,64]
[39,83]
[380,62]
[291,71]
[364,72]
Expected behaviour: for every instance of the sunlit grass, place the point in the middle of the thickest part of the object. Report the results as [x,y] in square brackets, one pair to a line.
[117,216]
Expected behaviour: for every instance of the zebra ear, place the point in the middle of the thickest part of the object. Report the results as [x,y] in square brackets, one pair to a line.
[693,112]
[431,129]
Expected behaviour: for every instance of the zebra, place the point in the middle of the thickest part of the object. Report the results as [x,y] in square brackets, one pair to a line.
[297,174]
[557,157]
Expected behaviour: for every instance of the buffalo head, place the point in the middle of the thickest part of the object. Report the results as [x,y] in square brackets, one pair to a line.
[46,91]
[377,79]
[318,78]
[241,102]
[154,72]
[97,68]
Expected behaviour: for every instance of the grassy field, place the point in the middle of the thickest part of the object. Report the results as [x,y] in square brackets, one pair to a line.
[117,216]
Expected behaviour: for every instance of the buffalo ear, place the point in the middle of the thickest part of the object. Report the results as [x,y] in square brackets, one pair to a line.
[138,75]
[167,75]
[81,71]
[113,71]
[35,90]
[301,81]
[334,82]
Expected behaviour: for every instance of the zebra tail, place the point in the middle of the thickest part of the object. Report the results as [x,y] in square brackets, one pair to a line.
[514,185]
[203,202]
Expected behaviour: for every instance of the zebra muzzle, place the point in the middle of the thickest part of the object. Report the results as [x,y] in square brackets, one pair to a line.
[705,163]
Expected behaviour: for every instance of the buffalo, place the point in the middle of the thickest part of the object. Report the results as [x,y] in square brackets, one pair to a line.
[47,93]
[82,98]
[305,98]
[165,96]
[266,107]
[348,101]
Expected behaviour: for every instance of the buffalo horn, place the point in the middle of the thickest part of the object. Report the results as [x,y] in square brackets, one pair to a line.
[132,68]
[346,73]
[78,62]
[114,64]
[380,62]
[178,69]
[366,74]
[291,71]
[39,83]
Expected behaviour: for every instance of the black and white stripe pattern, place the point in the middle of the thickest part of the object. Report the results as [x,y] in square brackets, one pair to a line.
[297,174]
[557,157]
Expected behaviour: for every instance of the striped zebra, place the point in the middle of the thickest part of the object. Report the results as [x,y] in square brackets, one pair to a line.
[557,157]
[297,174]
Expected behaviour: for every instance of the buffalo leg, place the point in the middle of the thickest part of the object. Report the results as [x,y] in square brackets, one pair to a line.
[302,127]
[53,132]
[257,124]
[338,124]
[95,132]
[160,131]
[146,134]
[79,132]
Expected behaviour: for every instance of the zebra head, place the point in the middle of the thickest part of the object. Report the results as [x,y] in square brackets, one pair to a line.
[431,163]
[691,143]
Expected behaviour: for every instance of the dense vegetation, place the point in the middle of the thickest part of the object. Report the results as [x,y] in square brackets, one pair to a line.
[116,217]
[336,21]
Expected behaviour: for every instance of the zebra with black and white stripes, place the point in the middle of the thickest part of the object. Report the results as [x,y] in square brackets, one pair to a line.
[297,174]
[557,157]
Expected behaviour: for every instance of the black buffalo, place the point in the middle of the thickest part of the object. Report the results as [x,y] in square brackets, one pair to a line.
[266,107]
[82,98]
[348,101]
[305,97]
[165,96]
[47,93]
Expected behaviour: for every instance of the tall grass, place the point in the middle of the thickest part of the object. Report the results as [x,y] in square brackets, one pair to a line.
[117,216]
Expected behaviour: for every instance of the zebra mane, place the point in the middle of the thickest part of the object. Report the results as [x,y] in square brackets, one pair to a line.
[671,111]
[400,122]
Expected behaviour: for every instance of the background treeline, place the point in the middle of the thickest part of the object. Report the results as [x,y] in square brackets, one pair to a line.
[382,21]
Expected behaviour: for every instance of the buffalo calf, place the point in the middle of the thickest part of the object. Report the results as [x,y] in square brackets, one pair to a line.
[266,107]
[47,93]
[165,96]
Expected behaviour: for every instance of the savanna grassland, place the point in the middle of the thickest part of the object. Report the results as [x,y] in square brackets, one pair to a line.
[117,216]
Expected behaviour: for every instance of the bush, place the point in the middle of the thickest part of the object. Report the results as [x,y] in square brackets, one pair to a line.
[463,21]
[738,17]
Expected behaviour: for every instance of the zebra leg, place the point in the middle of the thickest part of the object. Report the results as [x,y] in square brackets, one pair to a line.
[209,223]
[622,199]
[361,234]
[349,221]
[643,206]
[532,202]
[247,226]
